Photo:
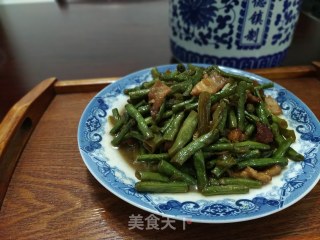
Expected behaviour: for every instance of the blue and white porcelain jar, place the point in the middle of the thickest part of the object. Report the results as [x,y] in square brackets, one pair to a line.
[236,33]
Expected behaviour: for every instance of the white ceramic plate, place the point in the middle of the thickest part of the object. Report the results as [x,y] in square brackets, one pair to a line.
[107,165]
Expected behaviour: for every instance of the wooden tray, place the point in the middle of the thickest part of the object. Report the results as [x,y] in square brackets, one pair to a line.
[46,191]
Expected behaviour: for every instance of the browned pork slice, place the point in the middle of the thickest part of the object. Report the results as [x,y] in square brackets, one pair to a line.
[211,83]
[264,134]
[272,105]
[157,95]
[249,172]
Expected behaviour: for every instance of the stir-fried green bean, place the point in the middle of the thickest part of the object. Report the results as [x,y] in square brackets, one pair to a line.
[204,113]
[199,165]
[124,130]
[217,115]
[281,122]
[201,127]
[116,114]
[224,189]
[142,125]
[262,114]
[232,75]
[138,94]
[282,149]
[172,172]
[185,133]
[162,187]
[233,146]
[215,97]
[224,115]
[232,119]
[250,183]
[264,86]
[173,128]
[241,91]
[116,128]
[291,153]
[157,157]
[249,130]
[263,162]
[151,176]
[185,153]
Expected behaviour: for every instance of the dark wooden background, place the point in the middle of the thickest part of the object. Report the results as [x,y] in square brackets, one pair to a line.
[90,39]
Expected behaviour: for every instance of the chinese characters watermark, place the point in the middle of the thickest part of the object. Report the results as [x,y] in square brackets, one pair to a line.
[153,222]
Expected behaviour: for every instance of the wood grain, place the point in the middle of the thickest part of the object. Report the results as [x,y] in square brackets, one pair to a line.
[17,127]
[52,195]
[82,85]
[286,72]
[316,64]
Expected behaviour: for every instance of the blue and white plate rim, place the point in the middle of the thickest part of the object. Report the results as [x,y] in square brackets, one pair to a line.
[198,211]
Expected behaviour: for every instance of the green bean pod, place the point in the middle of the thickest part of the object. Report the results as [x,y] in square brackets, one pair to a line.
[185,133]
[149,84]
[282,149]
[116,114]
[155,157]
[119,124]
[224,189]
[124,130]
[199,165]
[161,112]
[204,113]
[264,86]
[294,155]
[151,176]
[232,119]
[169,170]
[225,92]
[145,109]
[281,122]
[241,91]
[155,73]
[251,154]
[262,162]
[250,108]
[291,153]
[180,106]
[250,183]
[249,130]
[213,182]
[262,114]
[152,144]
[138,94]
[251,117]
[173,129]
[166,125]
[181,86]
[162,187]
[222,123]
[288,133]
[142,125]
[232,75]
[167,114]
[134,134]
[232,146]
[185,153]
[217,115]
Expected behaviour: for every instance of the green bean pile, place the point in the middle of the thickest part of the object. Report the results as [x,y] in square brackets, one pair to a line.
[211,142]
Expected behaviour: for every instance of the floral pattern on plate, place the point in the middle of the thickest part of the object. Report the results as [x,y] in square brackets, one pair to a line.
[108,166]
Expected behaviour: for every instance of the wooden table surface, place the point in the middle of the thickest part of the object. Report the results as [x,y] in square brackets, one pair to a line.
[51,194]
